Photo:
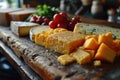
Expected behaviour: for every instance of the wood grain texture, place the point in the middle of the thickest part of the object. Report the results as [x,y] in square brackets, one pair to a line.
[44,61]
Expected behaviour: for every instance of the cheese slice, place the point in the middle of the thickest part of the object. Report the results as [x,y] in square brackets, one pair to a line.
[35,30]
[64,42]
[86,28]
[21,15]
[4,15]
[22,28]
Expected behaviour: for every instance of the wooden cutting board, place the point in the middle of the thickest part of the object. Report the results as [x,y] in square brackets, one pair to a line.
[44,61]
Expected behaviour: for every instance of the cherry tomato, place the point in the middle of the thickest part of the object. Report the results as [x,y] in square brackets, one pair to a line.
[61,25]
[77,18]
[52,24]
[63,14]
[59,18]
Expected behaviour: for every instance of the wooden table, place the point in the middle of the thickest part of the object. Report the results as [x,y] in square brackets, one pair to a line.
[33,61]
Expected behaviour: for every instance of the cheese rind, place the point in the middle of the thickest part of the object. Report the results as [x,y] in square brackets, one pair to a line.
[36,30]
[22,28]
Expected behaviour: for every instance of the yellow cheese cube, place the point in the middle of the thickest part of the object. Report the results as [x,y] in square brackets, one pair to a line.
[81,56]
[97,63]
[66,59]
[91,43]
[92,53]
[105,38]
[105,53]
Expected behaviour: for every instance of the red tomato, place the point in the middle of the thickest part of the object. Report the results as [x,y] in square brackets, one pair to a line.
[59,18]
[52,24]
[61,25]
[63,14]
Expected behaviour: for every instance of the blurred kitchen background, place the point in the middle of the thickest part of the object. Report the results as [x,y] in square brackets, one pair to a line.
[100,9]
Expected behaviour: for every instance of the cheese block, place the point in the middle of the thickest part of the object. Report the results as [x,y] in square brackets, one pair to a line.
[41,37]
[36,30]
[21,15]
[22,28]
[4,15]
[86,28]
[64,42]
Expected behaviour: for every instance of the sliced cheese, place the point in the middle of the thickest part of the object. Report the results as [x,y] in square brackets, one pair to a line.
[35,30]
[64,42]
[4,15]
[86,28]
[22,28]
[21,15]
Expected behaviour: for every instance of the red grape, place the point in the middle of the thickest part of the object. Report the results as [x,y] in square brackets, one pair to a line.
[35,17]
[40,20]
[46,20]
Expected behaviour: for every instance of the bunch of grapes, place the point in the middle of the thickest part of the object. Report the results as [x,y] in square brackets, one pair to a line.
[42,20]
[62,20]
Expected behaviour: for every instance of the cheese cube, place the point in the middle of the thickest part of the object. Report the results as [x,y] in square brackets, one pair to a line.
[91,44]
[105,53]
[66,59]
[81,56]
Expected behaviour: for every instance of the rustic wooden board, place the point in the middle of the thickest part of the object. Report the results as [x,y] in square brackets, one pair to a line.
[44,62]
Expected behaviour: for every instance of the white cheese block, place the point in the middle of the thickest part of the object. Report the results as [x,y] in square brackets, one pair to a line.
[22,15]
[22,28]
[36,30]
[4,15]
[86,28]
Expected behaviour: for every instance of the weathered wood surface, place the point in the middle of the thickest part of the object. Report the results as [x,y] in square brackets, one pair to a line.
[25,72]
[44,62]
